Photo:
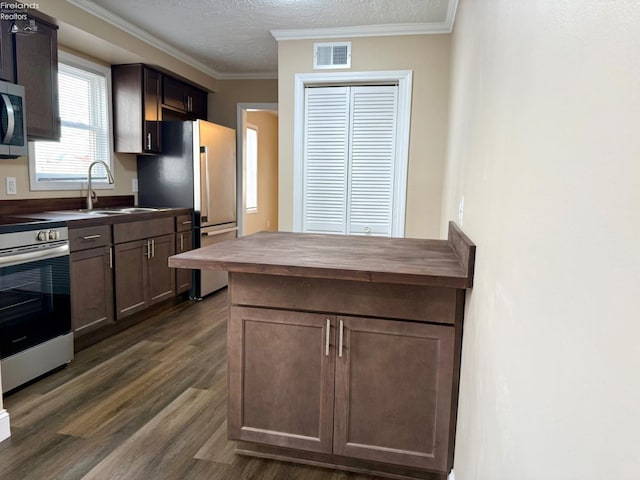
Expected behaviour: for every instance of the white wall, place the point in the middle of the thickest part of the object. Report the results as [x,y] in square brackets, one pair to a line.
[544,144]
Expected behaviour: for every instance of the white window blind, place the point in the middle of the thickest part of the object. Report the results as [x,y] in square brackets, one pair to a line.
[349,159]
[85,135]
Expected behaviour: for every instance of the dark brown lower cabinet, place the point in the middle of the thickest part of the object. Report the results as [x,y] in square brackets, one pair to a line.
[281,378]
[142,274]
[91,289]
[392,380]
[131,277]
[184,276]
[393,392]
[161,278]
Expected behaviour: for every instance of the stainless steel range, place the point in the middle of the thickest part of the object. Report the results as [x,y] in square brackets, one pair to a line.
[35,307]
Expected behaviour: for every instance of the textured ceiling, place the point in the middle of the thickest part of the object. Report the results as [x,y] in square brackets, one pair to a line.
[232,37]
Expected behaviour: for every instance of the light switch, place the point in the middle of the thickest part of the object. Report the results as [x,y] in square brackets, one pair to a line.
[12,186]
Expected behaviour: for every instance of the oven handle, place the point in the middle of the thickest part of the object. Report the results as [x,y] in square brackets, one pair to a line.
[45,254]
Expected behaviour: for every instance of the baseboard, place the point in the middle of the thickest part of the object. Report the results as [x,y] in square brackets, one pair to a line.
[5,431]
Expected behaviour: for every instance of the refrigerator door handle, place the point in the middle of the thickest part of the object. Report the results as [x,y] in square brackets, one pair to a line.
[204,159]
[219,232]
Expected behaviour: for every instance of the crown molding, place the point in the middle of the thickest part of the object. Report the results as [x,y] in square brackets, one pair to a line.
[362,31]
[451,14]
[119,22]
[372,30]
[248,76]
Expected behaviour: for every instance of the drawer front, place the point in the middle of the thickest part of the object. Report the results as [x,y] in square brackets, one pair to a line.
[183,223]
[386,300]
[89,237]
[127,232]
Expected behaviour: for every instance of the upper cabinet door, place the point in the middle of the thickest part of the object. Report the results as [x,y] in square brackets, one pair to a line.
[197,103]
[174,93]
[7,70]
[152,142]
[137,111]
[37,70]
[184,98]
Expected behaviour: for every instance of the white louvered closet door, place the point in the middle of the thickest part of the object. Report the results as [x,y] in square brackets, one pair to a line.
[372,160]
[349,159]
[326,134]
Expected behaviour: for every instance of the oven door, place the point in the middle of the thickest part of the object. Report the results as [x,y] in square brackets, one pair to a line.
[35,303]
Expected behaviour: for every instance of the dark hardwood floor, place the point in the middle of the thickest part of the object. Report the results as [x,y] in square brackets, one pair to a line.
[148,403]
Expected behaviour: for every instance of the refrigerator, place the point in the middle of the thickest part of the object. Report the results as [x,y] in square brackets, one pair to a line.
[196,169]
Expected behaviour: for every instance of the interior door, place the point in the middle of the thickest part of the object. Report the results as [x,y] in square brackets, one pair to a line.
[218,173]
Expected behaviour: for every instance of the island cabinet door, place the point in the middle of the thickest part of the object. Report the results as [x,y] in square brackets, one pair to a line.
[281,371]
[394,392]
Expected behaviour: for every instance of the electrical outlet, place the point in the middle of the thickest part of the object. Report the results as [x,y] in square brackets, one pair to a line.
[460,210]
[12,186]
[134,185]
[268,223]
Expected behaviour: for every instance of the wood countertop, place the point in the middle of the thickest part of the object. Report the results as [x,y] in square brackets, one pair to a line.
[444,263]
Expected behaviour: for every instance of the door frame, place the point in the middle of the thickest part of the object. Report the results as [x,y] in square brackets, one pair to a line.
[403,78]
[241,108]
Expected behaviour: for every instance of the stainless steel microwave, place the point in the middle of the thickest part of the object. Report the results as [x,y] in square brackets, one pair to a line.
[13,125]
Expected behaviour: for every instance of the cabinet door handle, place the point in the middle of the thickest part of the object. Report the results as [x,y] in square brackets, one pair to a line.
[149,141]
[326,340]
[146,252]
[111,258]
[341,337]
[187,222]
[181,242]
[153,248]
[91,237]
[189,103]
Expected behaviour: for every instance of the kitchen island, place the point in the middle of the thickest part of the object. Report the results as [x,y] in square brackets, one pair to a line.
[344,351]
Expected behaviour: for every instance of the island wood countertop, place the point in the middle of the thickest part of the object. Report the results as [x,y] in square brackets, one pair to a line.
[443,263]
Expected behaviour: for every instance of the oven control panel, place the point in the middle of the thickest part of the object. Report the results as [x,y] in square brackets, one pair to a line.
[47,235]
[36,239]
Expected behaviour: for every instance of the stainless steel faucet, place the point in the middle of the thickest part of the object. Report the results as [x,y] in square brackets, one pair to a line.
[90,192]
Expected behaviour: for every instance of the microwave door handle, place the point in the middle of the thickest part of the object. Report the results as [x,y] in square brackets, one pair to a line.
[11,122]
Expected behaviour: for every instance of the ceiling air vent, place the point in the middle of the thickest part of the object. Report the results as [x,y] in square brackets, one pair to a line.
[332,55]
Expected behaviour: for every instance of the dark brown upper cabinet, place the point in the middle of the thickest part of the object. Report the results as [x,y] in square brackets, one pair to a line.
[184,98]
[142,98]
[137,112]
[7,68]
[36,69]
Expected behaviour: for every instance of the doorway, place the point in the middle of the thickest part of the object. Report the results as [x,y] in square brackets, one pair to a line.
[257,140]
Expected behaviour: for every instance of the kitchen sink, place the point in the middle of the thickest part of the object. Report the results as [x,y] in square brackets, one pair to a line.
[138,209]
[118,210]
[102,212]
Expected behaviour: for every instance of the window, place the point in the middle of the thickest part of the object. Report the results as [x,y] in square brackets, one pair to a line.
[251,181]
[84,96]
